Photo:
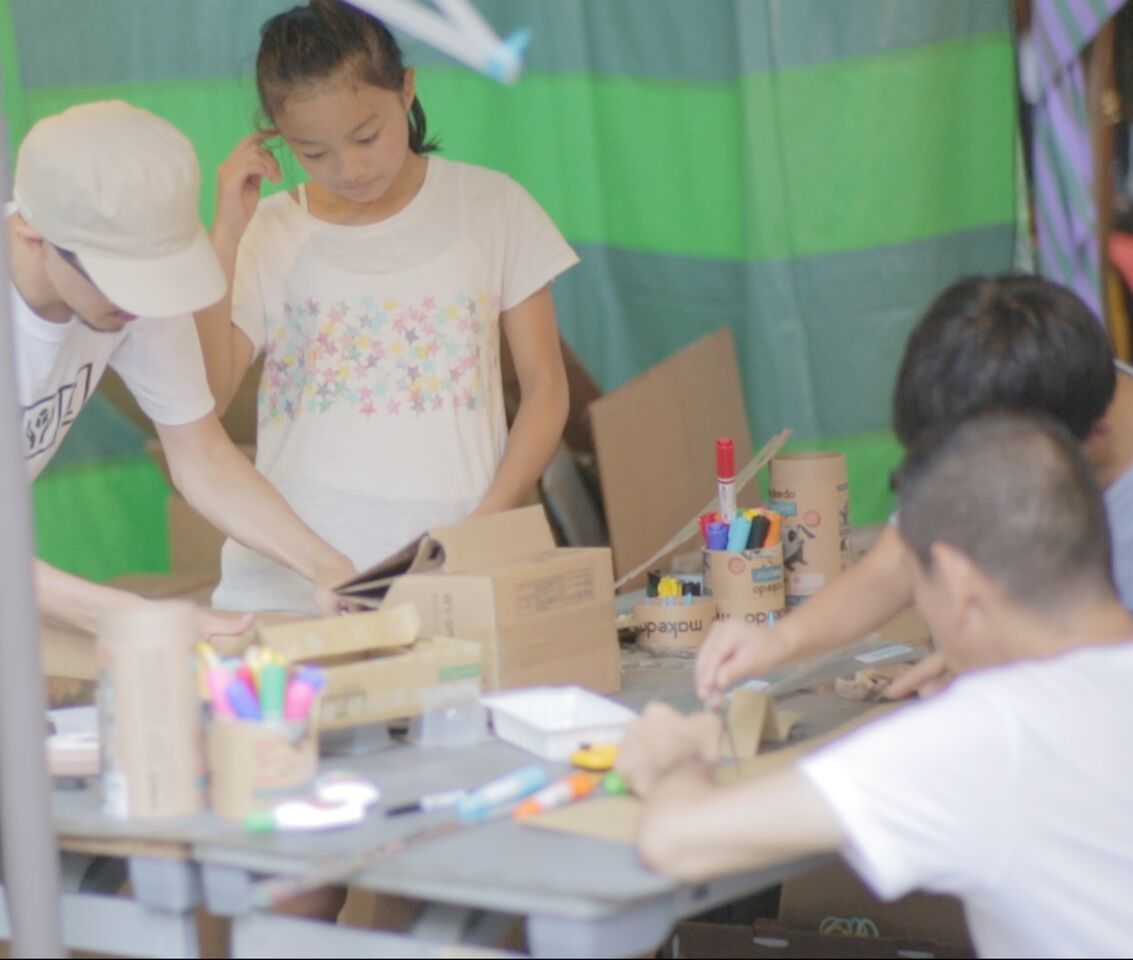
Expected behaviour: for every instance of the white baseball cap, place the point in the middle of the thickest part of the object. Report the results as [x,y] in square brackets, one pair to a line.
[119,187]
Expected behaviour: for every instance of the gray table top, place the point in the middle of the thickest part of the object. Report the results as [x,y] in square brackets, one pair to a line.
[499,865]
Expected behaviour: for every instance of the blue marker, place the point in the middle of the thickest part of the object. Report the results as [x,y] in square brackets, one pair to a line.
[717,536]
[515,786]
[738,534]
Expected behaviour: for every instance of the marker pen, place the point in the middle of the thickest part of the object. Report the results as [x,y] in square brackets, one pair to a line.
[430,801]
[726,478]
[243,700]
[570,788]
[515,786]
[759,528]
[273,685]
[717,536]
[738,533]
[773,531]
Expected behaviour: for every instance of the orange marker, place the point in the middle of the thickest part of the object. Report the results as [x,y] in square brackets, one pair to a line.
[573,787]
[776,521]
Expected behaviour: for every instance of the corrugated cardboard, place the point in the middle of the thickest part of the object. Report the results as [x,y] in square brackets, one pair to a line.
[655,440]
[766,938]
[389,664]
[544,615]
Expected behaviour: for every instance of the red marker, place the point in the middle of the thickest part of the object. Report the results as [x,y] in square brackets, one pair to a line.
[726,478]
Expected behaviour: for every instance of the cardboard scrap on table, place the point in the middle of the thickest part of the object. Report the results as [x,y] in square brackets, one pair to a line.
[616,818]
[753,720]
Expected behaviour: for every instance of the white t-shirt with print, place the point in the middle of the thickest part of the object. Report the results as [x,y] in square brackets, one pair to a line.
[1011,790]
[381,405]
[58,366]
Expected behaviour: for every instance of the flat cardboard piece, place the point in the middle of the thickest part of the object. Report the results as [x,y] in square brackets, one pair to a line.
[753,720]
[605,821]
[386,629]
[663,424]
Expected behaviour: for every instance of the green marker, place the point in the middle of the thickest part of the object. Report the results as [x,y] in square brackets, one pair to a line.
[614,784]
[273,687]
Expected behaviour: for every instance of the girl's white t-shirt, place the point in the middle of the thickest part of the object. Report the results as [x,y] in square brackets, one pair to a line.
[381,404]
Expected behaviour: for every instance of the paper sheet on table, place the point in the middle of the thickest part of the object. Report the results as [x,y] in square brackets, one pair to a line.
[616,818]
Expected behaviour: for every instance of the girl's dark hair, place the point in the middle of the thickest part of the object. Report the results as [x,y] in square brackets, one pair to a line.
[304,45]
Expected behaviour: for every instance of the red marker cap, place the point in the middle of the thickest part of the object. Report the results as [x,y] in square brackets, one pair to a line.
[725,458]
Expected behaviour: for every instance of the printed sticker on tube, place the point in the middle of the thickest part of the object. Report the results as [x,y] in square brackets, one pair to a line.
[812,493]
[746,584]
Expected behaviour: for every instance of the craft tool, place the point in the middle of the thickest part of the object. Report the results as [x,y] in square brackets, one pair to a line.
[717,536]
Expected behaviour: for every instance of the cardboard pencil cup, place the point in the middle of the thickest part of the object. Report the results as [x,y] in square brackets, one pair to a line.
[746,584]
[678,629]
[254,765]
[812,493]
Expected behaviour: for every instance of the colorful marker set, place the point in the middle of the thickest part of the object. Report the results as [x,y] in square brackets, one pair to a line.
[750,530]
[259,687]
[671,591]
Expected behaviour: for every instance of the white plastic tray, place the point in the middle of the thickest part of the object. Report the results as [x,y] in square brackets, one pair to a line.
[553,722]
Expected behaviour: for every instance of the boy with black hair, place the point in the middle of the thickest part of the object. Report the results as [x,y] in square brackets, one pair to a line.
[1018,342]
[1011,789]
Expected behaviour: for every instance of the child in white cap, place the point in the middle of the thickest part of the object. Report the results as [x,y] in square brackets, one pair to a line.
[109,260]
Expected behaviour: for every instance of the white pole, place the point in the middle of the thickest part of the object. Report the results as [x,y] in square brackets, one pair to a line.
[27,833]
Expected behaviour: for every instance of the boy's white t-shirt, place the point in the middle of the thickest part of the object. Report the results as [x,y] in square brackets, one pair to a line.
[58,366]
[1011,790]
[381,404]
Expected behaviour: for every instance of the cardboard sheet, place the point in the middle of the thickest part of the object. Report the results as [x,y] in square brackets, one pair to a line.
[753,720]
[616,818]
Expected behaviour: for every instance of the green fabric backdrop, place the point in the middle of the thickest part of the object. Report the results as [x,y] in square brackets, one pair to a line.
[808,173]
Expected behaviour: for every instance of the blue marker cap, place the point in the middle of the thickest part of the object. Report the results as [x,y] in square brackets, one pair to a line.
[717,536]
[738,534]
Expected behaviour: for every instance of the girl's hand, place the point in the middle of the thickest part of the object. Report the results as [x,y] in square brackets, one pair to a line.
[238,184]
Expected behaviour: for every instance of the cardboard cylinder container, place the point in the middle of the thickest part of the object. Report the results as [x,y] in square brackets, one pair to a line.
[746,584]
[812,493]
[149,712]
[680,628]
[254,765]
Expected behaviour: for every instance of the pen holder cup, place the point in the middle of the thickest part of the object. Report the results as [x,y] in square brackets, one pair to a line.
[746,584]
[253,765]
[678,629]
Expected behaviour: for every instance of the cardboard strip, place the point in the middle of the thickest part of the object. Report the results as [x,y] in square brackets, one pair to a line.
[690,529]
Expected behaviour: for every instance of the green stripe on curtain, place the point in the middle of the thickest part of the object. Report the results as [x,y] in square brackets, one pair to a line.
[840,151]
[115,41]
[103,519]
[818,339]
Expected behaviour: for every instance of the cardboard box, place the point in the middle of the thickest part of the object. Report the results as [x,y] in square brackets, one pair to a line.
[767,938]
[655,441]
[544,615]
[379,665]
[836,891]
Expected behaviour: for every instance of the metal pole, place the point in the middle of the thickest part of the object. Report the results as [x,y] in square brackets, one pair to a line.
[30,860]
